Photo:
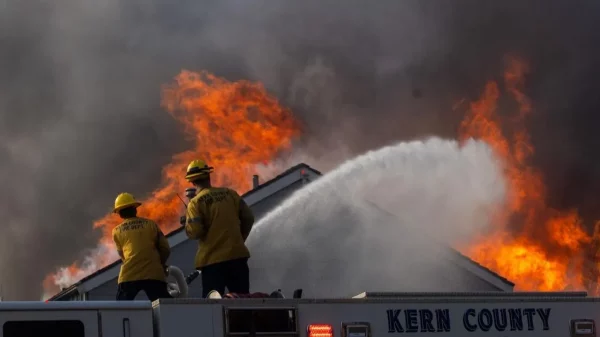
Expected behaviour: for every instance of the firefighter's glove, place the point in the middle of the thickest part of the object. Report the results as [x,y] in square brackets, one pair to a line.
[182,220]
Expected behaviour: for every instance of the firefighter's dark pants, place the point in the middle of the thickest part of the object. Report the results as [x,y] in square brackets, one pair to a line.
[154,289]
[233,274]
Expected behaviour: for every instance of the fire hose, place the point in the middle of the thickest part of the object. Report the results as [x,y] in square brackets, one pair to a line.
[179,288]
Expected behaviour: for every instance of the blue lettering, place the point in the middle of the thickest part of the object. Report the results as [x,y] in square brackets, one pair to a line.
[468,326]
[545,316]
[393,321]
[442,320]
[426,319]
[500,319]
[484,319]
[529,315]
[516,320]
[438,320]
[420,320]
[411,320]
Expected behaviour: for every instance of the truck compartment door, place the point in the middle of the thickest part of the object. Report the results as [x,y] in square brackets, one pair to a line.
[260,321]
[126,323]
[49,323]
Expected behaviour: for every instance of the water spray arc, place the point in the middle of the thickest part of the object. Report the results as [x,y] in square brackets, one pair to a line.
[333,236]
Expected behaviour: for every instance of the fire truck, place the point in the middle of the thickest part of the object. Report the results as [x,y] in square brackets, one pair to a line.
[497,314]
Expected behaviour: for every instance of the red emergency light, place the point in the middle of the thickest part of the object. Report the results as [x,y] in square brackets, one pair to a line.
[320,330]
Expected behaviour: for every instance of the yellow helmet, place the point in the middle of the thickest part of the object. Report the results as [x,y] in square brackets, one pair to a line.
[125,200]
[196,169]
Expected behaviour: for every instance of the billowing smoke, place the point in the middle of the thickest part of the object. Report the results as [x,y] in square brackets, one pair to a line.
[339,236]
[80,90]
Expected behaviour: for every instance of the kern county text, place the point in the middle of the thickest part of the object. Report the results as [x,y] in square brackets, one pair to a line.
[438,320]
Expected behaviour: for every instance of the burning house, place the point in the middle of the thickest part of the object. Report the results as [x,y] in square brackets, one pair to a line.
[459,272]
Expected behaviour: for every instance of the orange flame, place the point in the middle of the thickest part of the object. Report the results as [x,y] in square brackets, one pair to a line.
[535,246]
[233,126]
[237,125]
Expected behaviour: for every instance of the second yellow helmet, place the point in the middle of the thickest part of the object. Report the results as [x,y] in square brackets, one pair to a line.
[197,168]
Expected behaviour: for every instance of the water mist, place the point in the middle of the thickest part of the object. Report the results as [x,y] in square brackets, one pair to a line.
[383,221]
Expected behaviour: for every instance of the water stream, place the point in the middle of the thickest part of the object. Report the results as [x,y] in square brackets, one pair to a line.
[380,222]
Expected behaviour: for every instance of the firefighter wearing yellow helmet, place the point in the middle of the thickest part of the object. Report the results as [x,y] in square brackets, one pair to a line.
[144,251]
[221,221]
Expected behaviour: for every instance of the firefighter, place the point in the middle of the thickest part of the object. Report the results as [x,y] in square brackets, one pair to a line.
[144,251]
[221,221]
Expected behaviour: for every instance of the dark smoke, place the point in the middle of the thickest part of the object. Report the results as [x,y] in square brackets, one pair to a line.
[80,81]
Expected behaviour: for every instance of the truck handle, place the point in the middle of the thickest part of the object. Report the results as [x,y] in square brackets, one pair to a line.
[126,328]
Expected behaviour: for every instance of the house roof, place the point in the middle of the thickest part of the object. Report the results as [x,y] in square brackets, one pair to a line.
[461,260]
[487,270]
[252,197]
[274,185]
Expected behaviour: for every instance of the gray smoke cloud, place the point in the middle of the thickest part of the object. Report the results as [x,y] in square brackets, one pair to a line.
[80,119]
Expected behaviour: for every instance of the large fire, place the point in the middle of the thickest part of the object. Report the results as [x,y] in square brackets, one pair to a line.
[232,125]
[236,125]
[532,244]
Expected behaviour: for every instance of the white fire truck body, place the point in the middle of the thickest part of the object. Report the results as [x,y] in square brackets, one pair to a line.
[366,315]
